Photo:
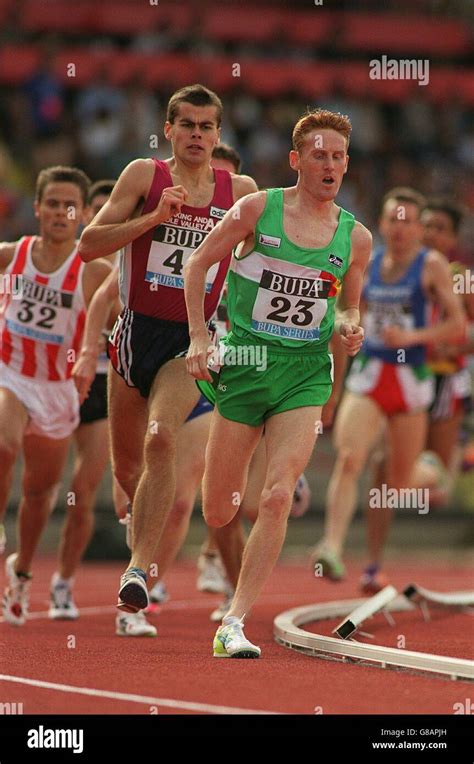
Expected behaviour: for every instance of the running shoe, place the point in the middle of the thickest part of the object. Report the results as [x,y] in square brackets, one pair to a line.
[3,538]
[134,625]
[127,521]
[159,593]
[221,610]
[328,563]
[440,491]
[373,580]
[15,596]
[133,594]
[211,574]
[62,606]
[231,642]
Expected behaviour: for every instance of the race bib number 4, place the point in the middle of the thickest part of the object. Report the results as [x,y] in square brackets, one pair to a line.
[169,252]
[290,307]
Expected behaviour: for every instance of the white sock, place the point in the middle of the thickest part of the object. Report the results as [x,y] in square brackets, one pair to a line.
[58,581]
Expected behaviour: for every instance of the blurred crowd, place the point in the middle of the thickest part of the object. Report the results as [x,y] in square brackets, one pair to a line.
[101,127]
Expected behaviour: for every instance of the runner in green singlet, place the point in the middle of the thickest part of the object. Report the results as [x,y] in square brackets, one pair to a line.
[300,250]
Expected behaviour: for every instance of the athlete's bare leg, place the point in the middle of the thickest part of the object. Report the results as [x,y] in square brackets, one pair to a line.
[120,498]
[191,447]
[230,543]
[357,428]
[289,441]
[44,463]
[172,397]
[128,414]
[407,435]
[13,422]
[228,454]
[255,482]
[91,460]
[210,545]
[230,538]
[443,436]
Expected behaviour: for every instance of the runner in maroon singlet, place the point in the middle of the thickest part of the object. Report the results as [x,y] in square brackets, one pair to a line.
[159,212]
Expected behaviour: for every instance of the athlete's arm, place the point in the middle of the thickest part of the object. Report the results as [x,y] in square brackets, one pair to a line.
[242,185]
[7,252]
[437,281]
[339,369]
[347,322]
[465,345]
[84,369]
[237,225]
[93,276]
[113,227]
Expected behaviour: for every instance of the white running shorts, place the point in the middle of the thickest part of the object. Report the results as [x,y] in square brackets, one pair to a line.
[53,407]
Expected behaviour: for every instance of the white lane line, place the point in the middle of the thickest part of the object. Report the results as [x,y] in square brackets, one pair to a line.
[205,708]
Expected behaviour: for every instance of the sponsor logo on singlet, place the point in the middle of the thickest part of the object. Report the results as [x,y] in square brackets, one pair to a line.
[337,261]
[216,212]
[269,241]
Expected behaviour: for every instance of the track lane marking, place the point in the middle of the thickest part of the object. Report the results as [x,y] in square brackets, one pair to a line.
[132,698]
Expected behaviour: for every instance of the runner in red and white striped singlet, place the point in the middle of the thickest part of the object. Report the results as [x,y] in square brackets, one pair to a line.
[39,330]
[45,290]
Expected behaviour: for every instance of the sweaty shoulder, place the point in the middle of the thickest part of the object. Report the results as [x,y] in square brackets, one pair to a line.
[7,251]
[139,175]
[242,185]
[250,206]
[361,238]
[435,258]
[435,267]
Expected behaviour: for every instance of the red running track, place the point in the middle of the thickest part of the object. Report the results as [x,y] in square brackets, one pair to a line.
[175,669]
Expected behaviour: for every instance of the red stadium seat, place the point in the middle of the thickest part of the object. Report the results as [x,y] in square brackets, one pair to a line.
[58,16]
[18,63]
[86,63]
[246,24]
[170,71]
[403,34]
[310,27]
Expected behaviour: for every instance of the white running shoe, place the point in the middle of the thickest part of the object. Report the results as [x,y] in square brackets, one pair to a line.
[133,625]
[231,642]
[221,610]
[3,538]
[62,606]
[15,596]
[211,574]
[158,594]
[133,594]
[127,521]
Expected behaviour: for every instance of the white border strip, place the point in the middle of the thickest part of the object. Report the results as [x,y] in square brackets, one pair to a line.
[416,593]
[287,632]
[130,698]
